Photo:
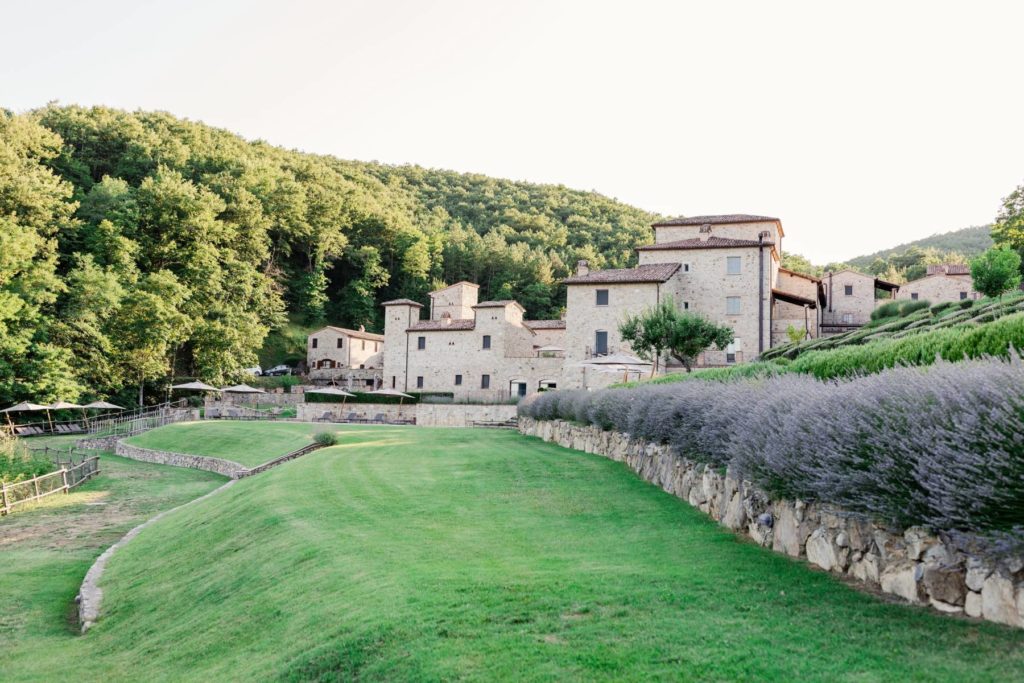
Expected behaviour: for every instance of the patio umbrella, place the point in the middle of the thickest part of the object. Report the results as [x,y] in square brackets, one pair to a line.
[64,405]
[195,386]
[550,349]
[332,391]
[24,407]
[242,389]
[391,392]
[102,405]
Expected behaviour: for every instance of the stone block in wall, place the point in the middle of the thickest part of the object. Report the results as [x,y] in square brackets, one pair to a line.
[945,584]
[822,550]
[789,534]
[999,600]
[902,578]
[864,567]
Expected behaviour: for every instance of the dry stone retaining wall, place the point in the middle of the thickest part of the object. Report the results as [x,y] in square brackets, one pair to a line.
[913,564]
[198,462]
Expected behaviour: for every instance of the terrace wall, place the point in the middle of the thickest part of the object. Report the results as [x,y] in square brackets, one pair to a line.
[426,414]
[910,564]
[198,462]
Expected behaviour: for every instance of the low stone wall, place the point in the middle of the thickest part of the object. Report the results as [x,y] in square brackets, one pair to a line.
[99,443]
[426,414]
[912,564]
[197,462]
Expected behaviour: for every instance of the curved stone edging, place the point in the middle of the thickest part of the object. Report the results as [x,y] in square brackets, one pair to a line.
[90,595]
[913,565]
[228,468]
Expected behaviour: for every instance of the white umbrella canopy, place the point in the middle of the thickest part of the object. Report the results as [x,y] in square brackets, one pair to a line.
[331,391]
[195,386]
[550,349]
[389,392]
[24,407]
[102,405]
[64,405]
[242,389]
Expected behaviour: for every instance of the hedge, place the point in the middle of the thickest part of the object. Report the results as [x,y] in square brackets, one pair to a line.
[941,447]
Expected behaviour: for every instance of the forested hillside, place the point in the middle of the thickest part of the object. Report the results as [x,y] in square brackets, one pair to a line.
[138,246]
[968,242]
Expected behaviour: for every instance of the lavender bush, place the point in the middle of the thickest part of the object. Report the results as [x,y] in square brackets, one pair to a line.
[941,446]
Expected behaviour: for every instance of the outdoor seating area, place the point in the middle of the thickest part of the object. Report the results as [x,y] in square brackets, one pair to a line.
[354,417]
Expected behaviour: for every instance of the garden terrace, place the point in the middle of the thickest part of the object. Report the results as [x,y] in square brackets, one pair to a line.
[440,554]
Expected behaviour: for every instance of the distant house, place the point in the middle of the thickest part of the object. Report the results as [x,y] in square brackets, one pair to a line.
[850,298]
[942,282]
[336,352]
[468,348]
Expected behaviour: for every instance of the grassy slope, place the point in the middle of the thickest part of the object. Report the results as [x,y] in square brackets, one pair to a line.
[47,549]
[441,554]
[237,441]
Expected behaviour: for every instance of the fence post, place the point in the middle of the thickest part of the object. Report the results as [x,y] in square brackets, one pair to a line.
[3,496]
[35,483]
[64,476]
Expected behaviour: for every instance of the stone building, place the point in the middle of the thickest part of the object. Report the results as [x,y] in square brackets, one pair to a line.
[850,297]
[942,282]
[480,350]
[337,353]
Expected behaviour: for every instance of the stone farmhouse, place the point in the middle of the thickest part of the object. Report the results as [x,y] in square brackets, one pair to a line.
[727,268]
[355,356]
[943,282]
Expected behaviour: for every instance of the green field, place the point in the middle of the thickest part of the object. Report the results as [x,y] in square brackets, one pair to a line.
[434,554]
[239,441]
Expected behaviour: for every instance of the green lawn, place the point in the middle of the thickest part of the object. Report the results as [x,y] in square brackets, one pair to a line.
[47,548]
[433,554]
[238,441]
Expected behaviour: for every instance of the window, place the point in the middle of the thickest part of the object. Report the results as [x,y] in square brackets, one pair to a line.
[686,267]
[732,349]
[485,381]
[421,343]
[963,295]
[601,343]
[364,345]
[392,381]
[314,340]
[458,380]
[487,341]
[913,296]
[848,318]
[419,382]
[686,305]
[732,265]
[848,290]
[602,297]
[732,305]
[730,357]
[341,342]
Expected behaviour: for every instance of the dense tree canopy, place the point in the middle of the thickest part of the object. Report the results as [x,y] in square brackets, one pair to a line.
[136,247]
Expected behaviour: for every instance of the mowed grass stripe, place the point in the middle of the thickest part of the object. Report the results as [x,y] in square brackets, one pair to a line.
[433,554]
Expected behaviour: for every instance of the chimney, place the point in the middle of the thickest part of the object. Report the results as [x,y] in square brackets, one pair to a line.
[582,267]
[446,318]
[362,328]
[705,232]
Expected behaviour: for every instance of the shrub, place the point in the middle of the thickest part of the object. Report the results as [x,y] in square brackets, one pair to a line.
[326,438]
[941,447]
[17,463]
[911,305]
[890,309]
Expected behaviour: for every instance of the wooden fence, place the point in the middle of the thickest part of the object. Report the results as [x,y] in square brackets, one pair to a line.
[63,480]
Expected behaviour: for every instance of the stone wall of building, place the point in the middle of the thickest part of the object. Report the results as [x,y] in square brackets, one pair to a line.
[939,288]
[854,308]
[911,564]
[426,414]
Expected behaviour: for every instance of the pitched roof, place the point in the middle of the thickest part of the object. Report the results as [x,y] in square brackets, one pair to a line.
[711,242]
[354,333]
[496,304]
[402,302]
[652,272]
[724,219]
[461,282]
[545,324]
[442,325]
[799,274]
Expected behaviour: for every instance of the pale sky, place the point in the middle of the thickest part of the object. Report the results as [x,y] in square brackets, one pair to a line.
[860,124]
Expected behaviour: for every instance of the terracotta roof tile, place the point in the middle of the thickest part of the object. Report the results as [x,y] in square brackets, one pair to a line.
[653,272]
[402,302]
[355,333]
[715,220]
[441,325]
[711,242]
[545,324]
